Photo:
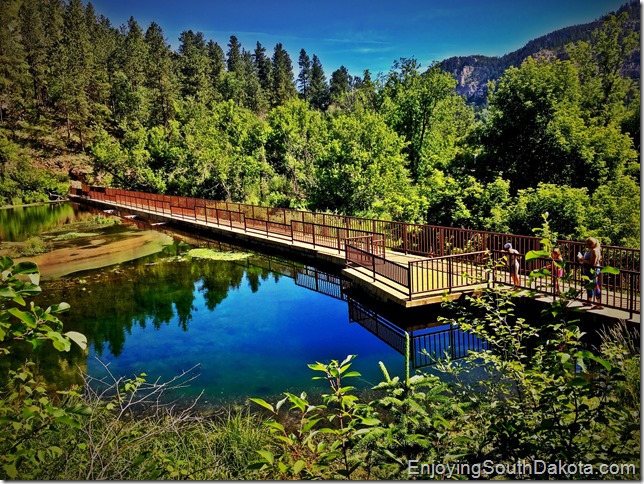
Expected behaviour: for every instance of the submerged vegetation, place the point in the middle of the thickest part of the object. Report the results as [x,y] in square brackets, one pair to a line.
[211,254]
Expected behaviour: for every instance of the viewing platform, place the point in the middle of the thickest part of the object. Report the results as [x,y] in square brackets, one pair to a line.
[406,264]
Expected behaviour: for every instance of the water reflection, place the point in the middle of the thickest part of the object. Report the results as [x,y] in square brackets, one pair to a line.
[19,223]
[250,325]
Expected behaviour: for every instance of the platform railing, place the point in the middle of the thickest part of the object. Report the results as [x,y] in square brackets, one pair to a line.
[331,230]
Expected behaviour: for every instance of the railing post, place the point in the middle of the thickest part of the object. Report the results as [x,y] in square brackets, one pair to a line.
[631,292]
[407,355]
[409,264]
[441,241]
[449,272]
[313,232]
[373,265]
[405,237]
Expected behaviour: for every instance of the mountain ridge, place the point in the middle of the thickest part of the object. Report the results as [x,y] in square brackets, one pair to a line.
[473,72]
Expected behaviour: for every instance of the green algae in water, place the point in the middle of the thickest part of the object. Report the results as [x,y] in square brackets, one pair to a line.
[216,255]
[75,235]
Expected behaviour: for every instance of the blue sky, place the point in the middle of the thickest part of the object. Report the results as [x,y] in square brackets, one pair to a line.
[363,34]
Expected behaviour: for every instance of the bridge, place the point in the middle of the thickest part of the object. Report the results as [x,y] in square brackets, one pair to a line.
[408,264]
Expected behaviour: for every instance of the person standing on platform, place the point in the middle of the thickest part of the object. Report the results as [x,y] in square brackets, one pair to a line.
[590,262]
[512,262]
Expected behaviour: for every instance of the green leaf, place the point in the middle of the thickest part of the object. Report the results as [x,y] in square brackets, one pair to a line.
[274,424]
[60,342]
[68,421]
[352,373]
[7,292]
[601,361]
[536,254]
[609,270]
[267,456]
[309,424]
[262,403]
[79,338]
[28,318]
[58,308]
[577,382]
[11,470]
[297,402]
[26,267]
[5,263]
[370,421]
[298,466]
[317,366]
[463,439]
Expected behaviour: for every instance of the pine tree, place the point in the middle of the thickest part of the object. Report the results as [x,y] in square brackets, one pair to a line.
[104,41]
[194,67]
[160,79]
[253,94]
[319,90]
[33,38]
[263,67]
[217,63]
[340,84]
[14,74]
[283,87]
[304,77]
[136,53]
[234,55]
[76,61]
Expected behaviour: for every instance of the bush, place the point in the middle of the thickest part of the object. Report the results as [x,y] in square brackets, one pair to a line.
[34,246]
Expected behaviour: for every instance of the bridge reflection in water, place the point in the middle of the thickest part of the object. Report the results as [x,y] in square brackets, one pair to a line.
[426,345]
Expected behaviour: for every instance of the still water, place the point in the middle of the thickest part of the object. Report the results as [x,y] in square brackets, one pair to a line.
[244,328]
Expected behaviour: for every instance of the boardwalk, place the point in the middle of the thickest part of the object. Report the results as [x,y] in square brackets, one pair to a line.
[406,263]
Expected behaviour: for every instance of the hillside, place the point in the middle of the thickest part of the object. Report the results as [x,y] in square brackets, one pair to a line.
[473,72]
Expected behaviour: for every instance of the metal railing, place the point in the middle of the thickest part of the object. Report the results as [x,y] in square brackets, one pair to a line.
[437,243]
[452,342]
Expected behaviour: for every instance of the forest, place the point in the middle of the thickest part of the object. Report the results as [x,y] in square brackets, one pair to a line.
[256,126]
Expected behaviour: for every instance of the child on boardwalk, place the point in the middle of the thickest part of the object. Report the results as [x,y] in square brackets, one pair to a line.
[512,262]
[557,268]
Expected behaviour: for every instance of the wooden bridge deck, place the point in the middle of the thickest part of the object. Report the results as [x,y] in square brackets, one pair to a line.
[426,284]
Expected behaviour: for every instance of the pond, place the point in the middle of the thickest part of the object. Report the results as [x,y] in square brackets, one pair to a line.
[243,327]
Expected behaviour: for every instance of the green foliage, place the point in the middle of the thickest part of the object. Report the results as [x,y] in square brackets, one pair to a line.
[544,394]
[534,392]
[561,120]
[403,146]
[568,208]
[27,411]
[417,424]
[363,165]
[33,246]
[614,213]
[320,442]
[20,182]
